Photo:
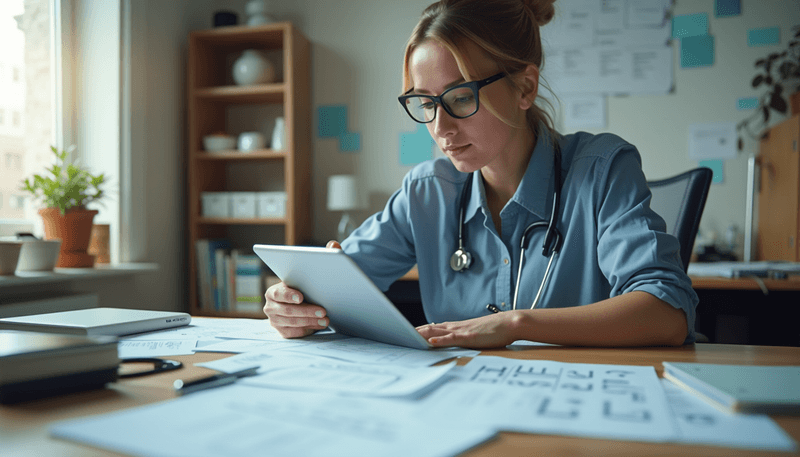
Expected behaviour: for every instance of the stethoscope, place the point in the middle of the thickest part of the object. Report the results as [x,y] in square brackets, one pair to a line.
[461,258]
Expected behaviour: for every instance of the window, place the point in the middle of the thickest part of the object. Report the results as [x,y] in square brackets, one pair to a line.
[25,60]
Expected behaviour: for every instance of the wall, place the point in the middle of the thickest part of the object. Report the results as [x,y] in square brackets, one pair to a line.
[357,56]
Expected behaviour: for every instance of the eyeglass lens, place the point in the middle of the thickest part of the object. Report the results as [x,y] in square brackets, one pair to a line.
[459,102]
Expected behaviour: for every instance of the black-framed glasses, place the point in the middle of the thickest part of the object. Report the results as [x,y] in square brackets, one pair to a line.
[459,101]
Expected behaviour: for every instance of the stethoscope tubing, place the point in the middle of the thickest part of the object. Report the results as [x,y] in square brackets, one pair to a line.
[461,259]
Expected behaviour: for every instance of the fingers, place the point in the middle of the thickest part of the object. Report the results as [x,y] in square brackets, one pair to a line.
[333,244]
[289,315]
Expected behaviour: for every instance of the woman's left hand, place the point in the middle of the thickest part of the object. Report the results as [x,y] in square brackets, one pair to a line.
[495,331]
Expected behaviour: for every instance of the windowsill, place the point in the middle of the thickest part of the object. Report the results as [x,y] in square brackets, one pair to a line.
[24,278]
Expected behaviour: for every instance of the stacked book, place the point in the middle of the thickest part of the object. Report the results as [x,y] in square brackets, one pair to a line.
[35,365]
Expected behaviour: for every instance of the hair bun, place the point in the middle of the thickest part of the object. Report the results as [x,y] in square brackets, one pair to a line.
[543,10]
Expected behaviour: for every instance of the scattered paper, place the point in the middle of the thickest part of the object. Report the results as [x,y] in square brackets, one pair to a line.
[359,350]
[252,421]
[141,348]
[540,396]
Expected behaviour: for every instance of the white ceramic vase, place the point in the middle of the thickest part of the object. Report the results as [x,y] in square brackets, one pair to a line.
[279,135]
[252,67]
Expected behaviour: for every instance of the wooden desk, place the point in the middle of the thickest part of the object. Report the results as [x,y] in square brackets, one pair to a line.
[23,428]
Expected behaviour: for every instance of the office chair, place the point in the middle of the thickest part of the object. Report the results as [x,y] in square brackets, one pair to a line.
[680,200]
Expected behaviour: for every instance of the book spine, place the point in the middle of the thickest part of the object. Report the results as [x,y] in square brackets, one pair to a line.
[249,293]
[201,249]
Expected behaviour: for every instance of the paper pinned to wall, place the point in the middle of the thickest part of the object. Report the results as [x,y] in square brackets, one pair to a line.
[712,141]
[588,47]
[584,111]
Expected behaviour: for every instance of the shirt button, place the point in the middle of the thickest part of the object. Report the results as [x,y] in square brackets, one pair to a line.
[505,261]
[503,304]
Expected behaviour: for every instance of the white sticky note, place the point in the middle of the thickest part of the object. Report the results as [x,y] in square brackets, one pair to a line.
[712,141]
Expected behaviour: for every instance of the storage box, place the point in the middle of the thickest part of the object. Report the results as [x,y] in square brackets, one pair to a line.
[215,204]
[271,204]
[243,205]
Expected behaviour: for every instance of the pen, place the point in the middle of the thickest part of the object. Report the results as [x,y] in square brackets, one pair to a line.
[183,388]
[493,308]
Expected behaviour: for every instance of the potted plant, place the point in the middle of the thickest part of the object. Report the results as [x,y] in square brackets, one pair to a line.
[780,73]
[64,192]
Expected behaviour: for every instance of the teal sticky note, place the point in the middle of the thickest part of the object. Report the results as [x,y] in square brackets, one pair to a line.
[727,8]
[747,103]
[763,37]
[689,25]
[332,120]
[350,142]
[416,147]
[697,51]
[716,168]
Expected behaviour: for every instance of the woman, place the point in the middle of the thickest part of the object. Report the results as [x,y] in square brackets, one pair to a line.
[471,74]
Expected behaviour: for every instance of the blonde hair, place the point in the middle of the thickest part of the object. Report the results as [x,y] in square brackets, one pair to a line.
[507,31]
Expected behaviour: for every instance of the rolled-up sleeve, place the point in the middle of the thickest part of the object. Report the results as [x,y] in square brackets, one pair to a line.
[634,252]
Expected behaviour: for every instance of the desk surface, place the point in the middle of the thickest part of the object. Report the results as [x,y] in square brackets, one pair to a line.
[23,428]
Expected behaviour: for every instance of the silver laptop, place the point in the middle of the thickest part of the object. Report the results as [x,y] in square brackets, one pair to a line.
[354,304]
[98,321]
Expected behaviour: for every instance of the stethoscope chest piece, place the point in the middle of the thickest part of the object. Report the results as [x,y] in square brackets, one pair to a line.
[460,260]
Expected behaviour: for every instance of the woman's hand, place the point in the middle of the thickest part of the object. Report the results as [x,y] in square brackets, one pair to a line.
[289,315]
[494,331]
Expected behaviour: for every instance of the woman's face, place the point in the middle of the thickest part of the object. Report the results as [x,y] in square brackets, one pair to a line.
[482,139]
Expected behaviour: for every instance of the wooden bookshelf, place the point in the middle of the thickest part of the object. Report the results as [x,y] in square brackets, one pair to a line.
[211,95]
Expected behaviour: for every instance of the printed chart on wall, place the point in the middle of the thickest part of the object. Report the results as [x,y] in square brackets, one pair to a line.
[609,47]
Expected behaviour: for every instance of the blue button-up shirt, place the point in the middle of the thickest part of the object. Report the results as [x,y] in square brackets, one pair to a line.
[613,243]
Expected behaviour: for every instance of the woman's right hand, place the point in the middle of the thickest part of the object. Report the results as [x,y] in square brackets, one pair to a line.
[289,315]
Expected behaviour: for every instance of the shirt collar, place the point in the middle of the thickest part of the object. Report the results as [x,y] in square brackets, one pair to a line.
[530,194]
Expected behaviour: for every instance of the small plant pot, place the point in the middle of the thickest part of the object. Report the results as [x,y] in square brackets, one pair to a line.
[74,229]
[9,256]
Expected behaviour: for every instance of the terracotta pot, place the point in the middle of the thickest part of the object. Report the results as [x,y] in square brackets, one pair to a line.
[74,229]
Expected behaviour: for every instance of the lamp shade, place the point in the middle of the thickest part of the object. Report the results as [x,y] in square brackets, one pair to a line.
[343,193]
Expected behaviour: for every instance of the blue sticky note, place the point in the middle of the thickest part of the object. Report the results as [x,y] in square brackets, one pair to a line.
[747,103]
[697,51]
[716,168]
[416,147]
[763,37]
[332,120]
[727,8]
[350,142]
[689,25]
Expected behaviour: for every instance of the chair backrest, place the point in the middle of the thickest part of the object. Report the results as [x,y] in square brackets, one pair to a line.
[680,200]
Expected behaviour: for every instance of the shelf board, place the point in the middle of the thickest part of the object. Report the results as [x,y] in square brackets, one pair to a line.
[267,35]
[259,154]
[256,93]
[240,221]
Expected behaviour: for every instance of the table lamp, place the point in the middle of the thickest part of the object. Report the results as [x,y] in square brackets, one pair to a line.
[343,196]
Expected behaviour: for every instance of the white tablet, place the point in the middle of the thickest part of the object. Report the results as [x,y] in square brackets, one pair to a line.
[354,304]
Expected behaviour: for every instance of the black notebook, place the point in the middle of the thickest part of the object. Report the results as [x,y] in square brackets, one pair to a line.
[35,365]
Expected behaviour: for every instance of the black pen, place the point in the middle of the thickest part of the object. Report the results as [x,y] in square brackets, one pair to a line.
[183,388]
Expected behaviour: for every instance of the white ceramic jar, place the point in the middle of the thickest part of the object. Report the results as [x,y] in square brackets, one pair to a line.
[252,67]
[279,135]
